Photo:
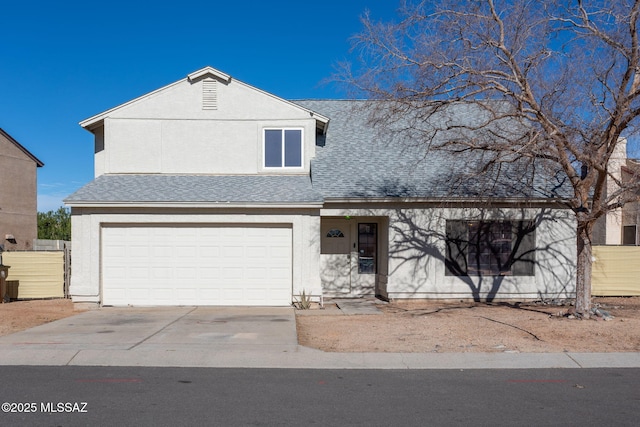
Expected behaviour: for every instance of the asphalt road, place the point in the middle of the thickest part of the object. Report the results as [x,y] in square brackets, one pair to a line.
[70,396]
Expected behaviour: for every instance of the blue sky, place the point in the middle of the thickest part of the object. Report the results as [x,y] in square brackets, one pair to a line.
[62,62]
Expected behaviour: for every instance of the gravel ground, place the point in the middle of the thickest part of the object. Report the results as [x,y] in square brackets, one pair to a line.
[433,326]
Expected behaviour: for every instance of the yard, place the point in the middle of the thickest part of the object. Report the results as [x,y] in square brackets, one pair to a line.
[19,315]
[426,326]
[434,326]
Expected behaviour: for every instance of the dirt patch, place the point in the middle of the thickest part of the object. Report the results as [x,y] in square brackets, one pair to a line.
[20,315]
[432,326]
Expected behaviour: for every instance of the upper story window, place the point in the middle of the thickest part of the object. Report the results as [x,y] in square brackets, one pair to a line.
[283,148]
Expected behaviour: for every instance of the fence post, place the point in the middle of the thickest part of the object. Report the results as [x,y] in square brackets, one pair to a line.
[67,270]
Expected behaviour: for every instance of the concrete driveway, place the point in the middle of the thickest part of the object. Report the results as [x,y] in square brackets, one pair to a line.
[158,336]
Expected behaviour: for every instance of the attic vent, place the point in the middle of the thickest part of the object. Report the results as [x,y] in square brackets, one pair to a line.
[209,94]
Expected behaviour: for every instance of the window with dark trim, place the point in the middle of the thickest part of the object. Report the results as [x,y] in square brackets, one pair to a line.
[629,235]
[335,232]
[490,248]
[367,248]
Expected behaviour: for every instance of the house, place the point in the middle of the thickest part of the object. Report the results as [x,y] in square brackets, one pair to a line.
[620,226]
[209,191]
[631,211]
[18,195]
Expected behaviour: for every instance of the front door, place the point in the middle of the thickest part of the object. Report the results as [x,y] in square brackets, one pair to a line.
[349,260]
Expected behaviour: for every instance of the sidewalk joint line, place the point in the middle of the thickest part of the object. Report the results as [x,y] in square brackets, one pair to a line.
[574,360]
[73,357]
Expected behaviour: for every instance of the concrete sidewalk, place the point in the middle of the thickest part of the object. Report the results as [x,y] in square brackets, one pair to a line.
[238,337]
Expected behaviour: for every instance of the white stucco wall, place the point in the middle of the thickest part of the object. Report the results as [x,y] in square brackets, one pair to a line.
[417,249]
[86,227]
[170,132]
[613,219]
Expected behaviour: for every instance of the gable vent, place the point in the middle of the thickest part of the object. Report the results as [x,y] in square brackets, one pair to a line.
[209,94]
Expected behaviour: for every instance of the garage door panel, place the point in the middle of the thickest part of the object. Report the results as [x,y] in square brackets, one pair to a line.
[232,232]
[210,232]
[279,251]
[257,232]
[185,273]
[161,252]
[255,273]
[186,294]
[137,293]
[209,251]
[257,252]
[139,272]
[280,293]
[279,273]
[233,294]
[185,253]
[196,265]
[164,294]
[115,272]
[233,252]
[256,295]
[208,274]
[232,273]
[160,275]
[139,250]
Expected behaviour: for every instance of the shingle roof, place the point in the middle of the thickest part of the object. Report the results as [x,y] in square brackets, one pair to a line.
[254,189]
[355,161]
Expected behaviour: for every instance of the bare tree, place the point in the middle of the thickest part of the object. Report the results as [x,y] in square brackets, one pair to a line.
[567,72]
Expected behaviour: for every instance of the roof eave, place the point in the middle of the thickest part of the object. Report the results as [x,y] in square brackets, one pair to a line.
[322,122]
[202,205]
[38,162]
[209,71]
[94,122]
[442,200]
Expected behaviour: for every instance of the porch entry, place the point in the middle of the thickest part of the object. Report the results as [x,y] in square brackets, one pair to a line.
[350,256]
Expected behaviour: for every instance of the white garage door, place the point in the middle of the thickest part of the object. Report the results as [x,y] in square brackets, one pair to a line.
[176,265]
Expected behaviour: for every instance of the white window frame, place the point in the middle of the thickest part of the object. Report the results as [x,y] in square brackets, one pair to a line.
[264,149]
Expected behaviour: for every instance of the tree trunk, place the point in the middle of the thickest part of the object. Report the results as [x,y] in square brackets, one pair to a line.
[583,273]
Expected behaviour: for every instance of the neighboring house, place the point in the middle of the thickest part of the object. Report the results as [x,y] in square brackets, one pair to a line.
[631,211]
[212,192]
[620,226]
[18,195]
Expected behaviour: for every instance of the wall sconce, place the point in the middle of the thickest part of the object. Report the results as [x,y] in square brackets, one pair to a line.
[10,238]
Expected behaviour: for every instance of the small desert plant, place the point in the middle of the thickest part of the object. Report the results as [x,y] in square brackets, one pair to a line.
[304,301]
